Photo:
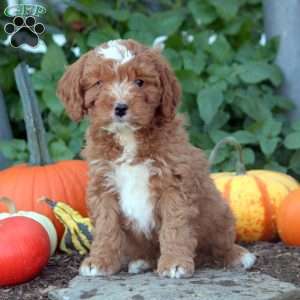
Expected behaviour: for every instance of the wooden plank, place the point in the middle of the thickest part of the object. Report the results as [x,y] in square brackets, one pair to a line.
[36,136]
[282,18]
[5,130]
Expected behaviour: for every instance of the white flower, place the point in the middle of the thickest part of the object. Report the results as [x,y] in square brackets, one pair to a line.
[263,40]
[198,21]
[59,39]
[190,38]
[212,39]
[159,42]
[30,70]
[76,51]
[187,37]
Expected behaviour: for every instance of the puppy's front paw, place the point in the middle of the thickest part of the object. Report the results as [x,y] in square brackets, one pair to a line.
[98,267]
[175,268]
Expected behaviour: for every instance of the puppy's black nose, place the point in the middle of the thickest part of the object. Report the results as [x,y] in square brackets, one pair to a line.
[121,109]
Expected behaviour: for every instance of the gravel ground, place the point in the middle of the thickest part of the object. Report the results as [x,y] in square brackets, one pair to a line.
[274,259]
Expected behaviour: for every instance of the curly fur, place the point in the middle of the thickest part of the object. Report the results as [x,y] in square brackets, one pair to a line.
[150,195]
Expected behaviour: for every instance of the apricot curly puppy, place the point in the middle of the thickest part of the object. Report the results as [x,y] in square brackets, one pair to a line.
[150,196]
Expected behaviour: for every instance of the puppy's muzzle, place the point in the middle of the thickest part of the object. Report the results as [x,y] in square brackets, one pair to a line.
[121,109]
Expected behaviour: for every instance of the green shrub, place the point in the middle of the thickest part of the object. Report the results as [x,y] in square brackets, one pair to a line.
[228,76]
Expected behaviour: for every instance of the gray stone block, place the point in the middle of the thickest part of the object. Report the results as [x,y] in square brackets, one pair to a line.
[206,284]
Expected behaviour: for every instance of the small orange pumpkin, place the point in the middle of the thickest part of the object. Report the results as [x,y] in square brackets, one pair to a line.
[26,183]
[254,196]
[289,219]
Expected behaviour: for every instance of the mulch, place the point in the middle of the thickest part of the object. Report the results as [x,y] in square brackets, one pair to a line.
[274,259]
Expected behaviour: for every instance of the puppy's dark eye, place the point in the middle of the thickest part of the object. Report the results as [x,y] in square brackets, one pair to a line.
[139,82]
[93,85]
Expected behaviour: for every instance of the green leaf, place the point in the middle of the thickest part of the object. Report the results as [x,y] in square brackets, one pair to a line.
[223,154]
[275,167]
[54,61]
[192,62]
[12,149]
[200,139]
[59,151]
[209,101]
[217,135]
[268,145]
[168,22]
[52,102]
[271,128]
[228,165]
[40,80]
[77,139]
[248,156]
[60,130]
[190,82]
[174,58]
[140,22]
[296,125]
[98,36]
[221,50]
[226,9]
[118,15]
[222,72]
[201,39]
[295,162]
[202,12]
[254,108]
[245,137]
[277,101]
[234,26]
[292,141]
[255,72]
[146,38]
[219,120]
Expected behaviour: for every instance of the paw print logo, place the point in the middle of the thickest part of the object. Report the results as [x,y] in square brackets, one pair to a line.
[24,31]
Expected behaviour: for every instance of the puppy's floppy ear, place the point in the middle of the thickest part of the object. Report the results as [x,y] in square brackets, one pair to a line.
[171,91]
[70,91]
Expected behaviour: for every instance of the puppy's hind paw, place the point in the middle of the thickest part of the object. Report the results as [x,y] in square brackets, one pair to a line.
[241,258]
[248,260]
[138,266]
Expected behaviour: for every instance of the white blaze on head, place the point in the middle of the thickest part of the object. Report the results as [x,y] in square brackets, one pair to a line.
[115,50]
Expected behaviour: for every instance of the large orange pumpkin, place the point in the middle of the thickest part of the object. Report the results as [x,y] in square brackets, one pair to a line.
[25,184]
[289,219]
[254,196]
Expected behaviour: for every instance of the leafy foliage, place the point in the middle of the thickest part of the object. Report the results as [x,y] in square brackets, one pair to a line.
[228,75]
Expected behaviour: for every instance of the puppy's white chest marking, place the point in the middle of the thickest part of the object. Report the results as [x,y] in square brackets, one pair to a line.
[132,184]
[133,187]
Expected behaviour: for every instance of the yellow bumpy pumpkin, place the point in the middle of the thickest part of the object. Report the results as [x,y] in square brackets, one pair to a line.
[77,236]
[254,196]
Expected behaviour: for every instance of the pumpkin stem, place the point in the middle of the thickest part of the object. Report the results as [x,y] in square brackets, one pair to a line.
[48,201]
[36,136]
[11,206]
[240,165]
